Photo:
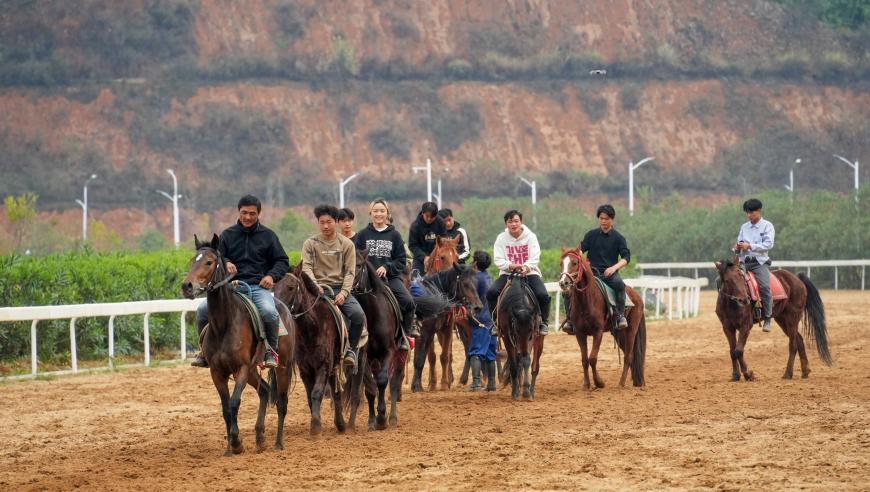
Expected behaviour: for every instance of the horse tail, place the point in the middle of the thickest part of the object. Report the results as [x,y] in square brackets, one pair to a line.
[430,305]
[273,387]
[815,329]
[353,382]
[637,364]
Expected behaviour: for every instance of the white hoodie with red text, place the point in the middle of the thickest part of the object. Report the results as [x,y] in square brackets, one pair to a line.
[524,250]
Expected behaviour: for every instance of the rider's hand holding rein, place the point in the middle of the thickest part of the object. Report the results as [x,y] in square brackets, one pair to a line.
[381,272]
[339,299]
[266,282]
[231,267]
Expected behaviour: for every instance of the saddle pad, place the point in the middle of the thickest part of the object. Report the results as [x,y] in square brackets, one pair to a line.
[610,295]
[394,303]
[776,288]
[254,313]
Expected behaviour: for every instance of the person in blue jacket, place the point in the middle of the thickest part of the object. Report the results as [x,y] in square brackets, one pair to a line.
[484,345]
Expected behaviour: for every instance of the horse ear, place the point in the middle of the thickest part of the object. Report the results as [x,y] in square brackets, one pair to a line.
[196,243]
[438,241]
[215,241]
[564,249]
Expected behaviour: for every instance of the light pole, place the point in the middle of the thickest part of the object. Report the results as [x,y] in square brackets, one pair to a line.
[790,185]
[176,230]
[428,169]
[341,185]
[855,167]
[631,167]
[437,196]
[84,204]
[534,187]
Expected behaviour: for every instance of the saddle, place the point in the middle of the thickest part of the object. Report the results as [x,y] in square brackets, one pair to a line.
[256,320]
[529,294]
[776,288]
[610,296]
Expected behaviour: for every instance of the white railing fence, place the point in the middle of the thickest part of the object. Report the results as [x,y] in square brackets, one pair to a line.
[805,265]
[35,314]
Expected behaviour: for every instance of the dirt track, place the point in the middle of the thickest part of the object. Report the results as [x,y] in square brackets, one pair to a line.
[161,428]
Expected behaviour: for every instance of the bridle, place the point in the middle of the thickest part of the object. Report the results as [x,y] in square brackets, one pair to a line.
[743,301]
[211,286]
[296,298]
[573,279]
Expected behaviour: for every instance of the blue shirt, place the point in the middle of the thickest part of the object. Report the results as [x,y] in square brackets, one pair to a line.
[483,283]
[760,238]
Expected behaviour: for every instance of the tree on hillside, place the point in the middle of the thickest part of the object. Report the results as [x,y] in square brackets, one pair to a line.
[21,210]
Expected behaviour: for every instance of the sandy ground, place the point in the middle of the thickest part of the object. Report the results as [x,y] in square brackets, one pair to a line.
[690,428]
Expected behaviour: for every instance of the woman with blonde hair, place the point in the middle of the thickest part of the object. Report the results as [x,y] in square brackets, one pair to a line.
[387,253]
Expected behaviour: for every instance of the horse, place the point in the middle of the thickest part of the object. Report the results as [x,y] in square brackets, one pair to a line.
[459,284]
[517,318]
[591,318]
[318,345]
[382,362]
[802,300]
[232,349]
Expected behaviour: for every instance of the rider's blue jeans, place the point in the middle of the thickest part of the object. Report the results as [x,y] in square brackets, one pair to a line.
[262,298]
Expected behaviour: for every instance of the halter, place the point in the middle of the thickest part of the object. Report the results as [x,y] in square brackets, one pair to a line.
[211,286]
[743,301]
[575,277]
[293,304]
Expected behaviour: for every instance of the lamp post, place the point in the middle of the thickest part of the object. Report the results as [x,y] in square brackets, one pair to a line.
[853,165]
[84,204]
[428,169]
[534,187]
[176,230]
[790,185]
[631,167]
[437,196]
[341,184]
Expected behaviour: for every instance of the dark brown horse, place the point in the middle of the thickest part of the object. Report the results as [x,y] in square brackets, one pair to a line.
[459,284]
[518,317]
[591,318]
[733,307]
[232,349]
[382,363]
[318,345]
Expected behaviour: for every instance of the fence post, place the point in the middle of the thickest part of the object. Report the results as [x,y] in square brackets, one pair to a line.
[72,344]
[184,334]
[111,342]
[146,338]
[33,351]
[558,302]
[835,279]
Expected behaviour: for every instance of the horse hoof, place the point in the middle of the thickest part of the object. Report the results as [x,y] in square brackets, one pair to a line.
[735,378]
[599,384]
[786,376]
[394,422]
[805,374]
[750,376]
[228,452]
[279,446]
[260,448]
[239,449]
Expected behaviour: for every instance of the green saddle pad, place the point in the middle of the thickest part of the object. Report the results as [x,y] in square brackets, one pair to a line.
[254,313]
[610,295]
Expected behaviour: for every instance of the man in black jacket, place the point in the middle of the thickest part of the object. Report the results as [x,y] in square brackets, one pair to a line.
[453,229]
[421,238]
[254,254]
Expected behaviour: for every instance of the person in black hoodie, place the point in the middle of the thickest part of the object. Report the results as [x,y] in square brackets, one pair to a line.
[254,254]
[387,253]
[421,238]
[454,229]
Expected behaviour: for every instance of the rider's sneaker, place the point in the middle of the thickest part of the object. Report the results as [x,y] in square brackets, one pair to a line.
[269,360]
[350,359]
[568,328]
[544,329]
[403,344]
[413,330]
[621,322]
[765,327]
[199,361]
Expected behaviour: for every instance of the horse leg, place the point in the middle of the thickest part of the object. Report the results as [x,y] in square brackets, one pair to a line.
[446,371]
[430,356]
[420,354]
[337,404]
[731,335]
[741,343]
[382,380]
[628,351]
[260,426]
[222,387]
[241,377]
[802,351]
[593,359]
[395,389]
[281,403]
[358,383]
[527,377]
[792,351]
[316,398]
[584,355]
[536,362]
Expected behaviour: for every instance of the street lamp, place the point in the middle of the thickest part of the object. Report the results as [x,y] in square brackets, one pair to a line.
[855,167]
[437,196]
[631,167]
[534,187]
[341,185]
[84,204]
[428,169]
[176,231]
[790,185]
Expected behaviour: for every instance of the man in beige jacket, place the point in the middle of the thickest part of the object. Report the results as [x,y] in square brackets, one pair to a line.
[329,259]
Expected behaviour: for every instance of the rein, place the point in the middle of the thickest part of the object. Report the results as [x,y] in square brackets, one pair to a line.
[743,301]
[578,275]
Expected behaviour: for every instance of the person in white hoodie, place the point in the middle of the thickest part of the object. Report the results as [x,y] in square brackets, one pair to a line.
[517,248]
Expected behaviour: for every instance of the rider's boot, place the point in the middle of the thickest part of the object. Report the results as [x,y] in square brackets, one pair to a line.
[490,375]
[199,359]
[621,322]
[475,374]
[544,329]
[402,343]
[766,326]
[409,325]
[270,360]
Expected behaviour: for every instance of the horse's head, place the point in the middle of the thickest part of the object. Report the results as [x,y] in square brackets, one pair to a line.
[361,282]
[574,268]
[444,255]
[732,282]
[206,268]
[295,288]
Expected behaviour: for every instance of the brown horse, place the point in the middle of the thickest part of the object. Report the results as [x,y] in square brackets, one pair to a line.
[459,284]
[591,318]
[733,307]
[318,345]
[518,317]
[232,349]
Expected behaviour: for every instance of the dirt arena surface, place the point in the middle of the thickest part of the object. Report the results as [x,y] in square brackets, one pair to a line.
[161,429]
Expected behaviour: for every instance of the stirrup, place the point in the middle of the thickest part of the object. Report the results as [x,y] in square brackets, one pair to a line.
[199,361]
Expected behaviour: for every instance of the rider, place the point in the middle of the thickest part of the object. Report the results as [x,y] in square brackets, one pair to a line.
[607,252]
[754,242]
[387,252]
[254,254]
[517,248]
[345,222]
[454,229]
[484,344]
[421,238]
[329,259]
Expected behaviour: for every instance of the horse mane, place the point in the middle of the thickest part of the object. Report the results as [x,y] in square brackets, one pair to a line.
[309,284]
[517,302]
[377,284]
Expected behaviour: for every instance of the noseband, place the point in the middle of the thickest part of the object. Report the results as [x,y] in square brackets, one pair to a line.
[211,286]
[743,301]
[574,278]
